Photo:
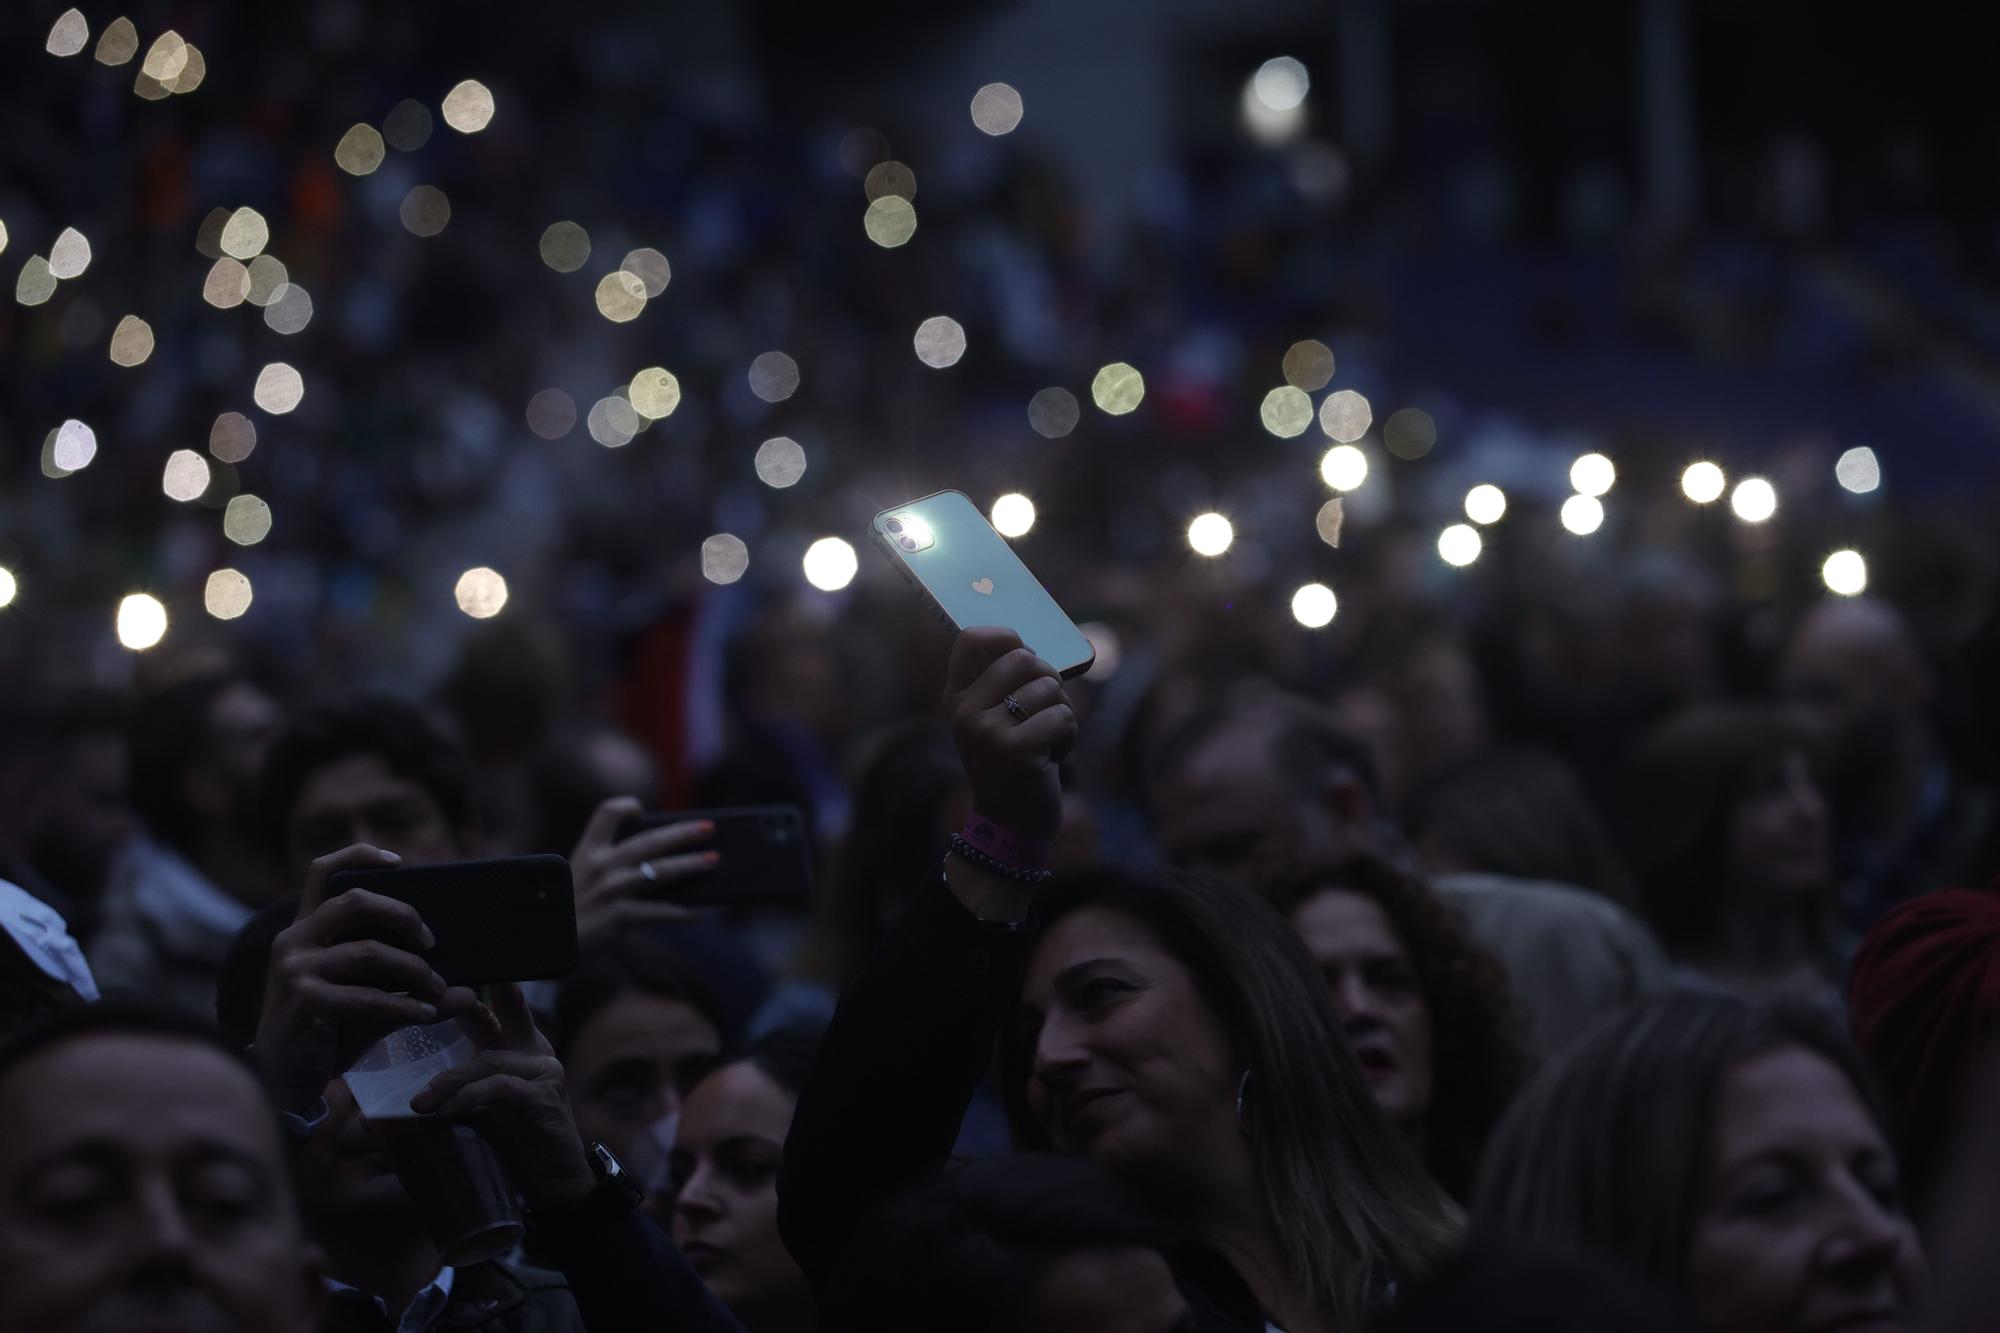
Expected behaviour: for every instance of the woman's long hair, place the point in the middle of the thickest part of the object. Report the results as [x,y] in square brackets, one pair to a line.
[1602,1152]
[1351,1204]
[1478,1060]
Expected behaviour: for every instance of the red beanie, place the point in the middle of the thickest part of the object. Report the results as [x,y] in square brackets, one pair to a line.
[1923,991]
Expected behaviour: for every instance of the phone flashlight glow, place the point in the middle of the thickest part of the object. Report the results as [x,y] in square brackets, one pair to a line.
[911,533]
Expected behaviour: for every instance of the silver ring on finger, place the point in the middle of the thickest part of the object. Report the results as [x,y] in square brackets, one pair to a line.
[1019,713]
[650,875]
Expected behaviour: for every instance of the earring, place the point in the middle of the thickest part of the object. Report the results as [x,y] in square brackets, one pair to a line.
[1242,1090]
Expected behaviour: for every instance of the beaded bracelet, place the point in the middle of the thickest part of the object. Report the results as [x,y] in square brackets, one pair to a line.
[971,855]
[986,836]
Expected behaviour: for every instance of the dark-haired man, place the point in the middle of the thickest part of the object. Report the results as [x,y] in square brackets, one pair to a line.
[143,1185]
[1265,786]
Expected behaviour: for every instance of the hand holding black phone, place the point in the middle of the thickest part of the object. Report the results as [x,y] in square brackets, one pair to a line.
[508,919]
[760,853]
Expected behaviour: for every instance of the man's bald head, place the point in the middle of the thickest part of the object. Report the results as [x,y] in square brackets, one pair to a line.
[1853,657]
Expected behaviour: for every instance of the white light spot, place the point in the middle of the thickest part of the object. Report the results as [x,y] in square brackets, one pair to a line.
[1344,468]
[1281,83]
[724,558]
[1210,534]
[780,462]
[1013,515]
[1858,471]
[1314,606]
[76,445]
[1592,475]
[940,342]
[1703,483]
[186,475]
[227,594]
[1754,500]
[996,108]
[481,592]
[1485,504]
[830,564]
[1845,573]
[1583,514]
[142,621]
[1459,544]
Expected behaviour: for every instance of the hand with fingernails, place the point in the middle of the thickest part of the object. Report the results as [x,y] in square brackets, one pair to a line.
[512,1091]
[1012,725]
[621,883]
[346,972]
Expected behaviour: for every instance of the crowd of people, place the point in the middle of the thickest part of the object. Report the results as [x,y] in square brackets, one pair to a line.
[1339,1056]
[1599,932]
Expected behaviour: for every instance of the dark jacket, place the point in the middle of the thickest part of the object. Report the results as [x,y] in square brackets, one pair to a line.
[628,1277]
[492,1297]
[901,1060]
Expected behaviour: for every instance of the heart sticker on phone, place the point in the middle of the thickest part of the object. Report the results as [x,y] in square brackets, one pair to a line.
[983,586]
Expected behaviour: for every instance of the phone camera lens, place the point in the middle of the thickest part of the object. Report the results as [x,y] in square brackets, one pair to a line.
[894,525]
[907,543]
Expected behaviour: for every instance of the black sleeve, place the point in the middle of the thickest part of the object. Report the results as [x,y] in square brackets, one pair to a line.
[626,1275]
[895,1072]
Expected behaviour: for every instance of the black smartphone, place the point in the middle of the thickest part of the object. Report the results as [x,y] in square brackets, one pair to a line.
[509,919]
[765,855]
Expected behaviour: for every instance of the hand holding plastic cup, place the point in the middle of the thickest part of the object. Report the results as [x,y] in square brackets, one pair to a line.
[450,1173]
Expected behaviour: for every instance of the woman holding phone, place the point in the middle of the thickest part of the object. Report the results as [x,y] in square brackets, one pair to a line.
[1172,1031]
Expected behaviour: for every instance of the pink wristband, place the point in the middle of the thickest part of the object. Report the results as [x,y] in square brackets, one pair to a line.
[1004,847]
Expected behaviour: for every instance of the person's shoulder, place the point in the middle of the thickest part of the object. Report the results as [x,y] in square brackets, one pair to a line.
[1546,903]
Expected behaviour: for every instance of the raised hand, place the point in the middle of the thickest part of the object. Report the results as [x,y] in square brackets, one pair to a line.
[1011,755]
[612,889]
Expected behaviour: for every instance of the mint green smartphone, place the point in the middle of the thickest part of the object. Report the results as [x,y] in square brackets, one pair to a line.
[971,576]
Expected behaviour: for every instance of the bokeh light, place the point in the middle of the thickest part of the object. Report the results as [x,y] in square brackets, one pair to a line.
[1485,503]
[780,462]
[1286,412]
[69,35]
[119,43]
[1210,534]
[227,285]
[480,592]
[1845,573]
[651,268]
[1858,471]
[1703,483]
[1583,514]
[70,255]
[279,388]
[1308,365]
[186,475]
[9,588]
[409,126]
[232,437]
[724,558]
[940,342]
[246,520]
[267,276]
[1053,413]
[890,221]
[565,246]
[425,211]
[245,235]
[142,620]
[1013,515]
[131,342]
[1344,467]
[1754,500]
[359,151]
[1314,605]
[1409,433]
[830,564]
[36,283]
[1330,519]
[290,310]
[1459,545]
[655,393]
[3,236]
[1118,388]
[468,108]
[551,414]
[1345,415]
[887,179]
[193,72]
[774,377]
[75,445]
[620,296]
[227,594]
[1281,83]
[613,421]
[996,108]
[1593,475]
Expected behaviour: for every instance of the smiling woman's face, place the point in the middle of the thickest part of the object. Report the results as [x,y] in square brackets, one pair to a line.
[1129,1065]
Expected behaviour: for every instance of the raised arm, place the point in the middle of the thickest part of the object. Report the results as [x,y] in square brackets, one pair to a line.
[914,1033]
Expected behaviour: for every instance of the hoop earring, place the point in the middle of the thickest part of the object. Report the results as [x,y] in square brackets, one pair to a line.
[1242,1091]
